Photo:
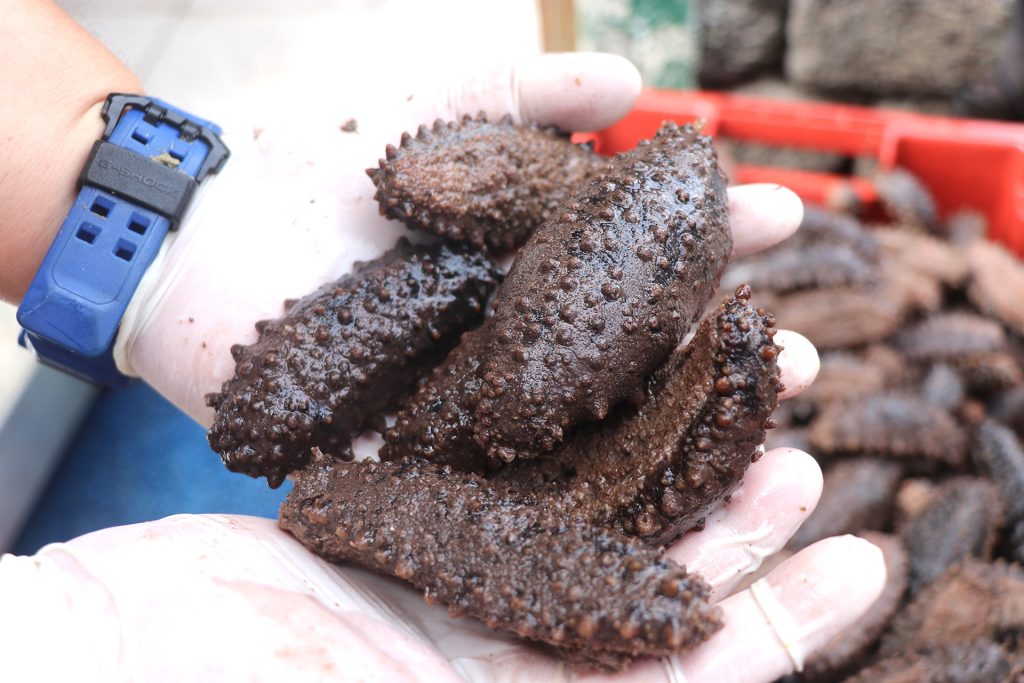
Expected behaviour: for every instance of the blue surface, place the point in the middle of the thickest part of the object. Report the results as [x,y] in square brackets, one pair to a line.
[138,458]
[75,302]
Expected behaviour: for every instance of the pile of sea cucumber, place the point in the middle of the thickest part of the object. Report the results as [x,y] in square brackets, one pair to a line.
[916,418]
[544,452]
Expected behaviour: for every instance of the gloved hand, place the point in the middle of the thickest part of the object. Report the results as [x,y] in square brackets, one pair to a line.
[203,598]
[293,209]
[212,597]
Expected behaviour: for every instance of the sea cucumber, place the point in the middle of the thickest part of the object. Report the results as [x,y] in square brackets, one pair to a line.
[343,355]
[603,292]
[487,183]
[603,597]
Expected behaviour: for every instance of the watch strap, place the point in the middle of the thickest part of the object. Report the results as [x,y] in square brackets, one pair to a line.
[134,189]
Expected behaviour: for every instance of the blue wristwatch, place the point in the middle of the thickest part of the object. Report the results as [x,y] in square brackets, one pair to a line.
[134,189]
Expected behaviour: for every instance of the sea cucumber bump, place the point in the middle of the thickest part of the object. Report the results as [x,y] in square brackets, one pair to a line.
[486,183]
[343,355]
[657,469]
[604,597]
[655,220]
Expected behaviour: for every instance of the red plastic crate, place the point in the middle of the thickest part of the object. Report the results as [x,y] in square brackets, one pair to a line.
[967,164]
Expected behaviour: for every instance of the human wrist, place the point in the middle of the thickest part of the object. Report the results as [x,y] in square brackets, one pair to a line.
[41,195]
[49,125]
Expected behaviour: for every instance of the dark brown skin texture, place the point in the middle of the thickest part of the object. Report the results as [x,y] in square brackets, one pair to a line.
[542,562]
[829,250]
[857,495]
[907,200]
[959,521]
[603,292]
[971,601]
[997,452]
[841,655]
[995,284]
[437,422]
[652,471]
[489,184]
[976,662]
[602,597]
[889,425]
[846,376]
[977,347]
[343,355]
[656,471]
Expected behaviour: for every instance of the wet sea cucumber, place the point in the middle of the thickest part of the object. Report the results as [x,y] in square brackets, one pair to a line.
[948,336]
[656,470]
[857,495]
[602,597]
[603,292]
[997,452]
[977,347]
[808,267]
[960,520]
[437,422]
[889,425]
[971,601]
[907,200]
[840,317]
[487,183]
[497,494]
[829,250]
[342,355]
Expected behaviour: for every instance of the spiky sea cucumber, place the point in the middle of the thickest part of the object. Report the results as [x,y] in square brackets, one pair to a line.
[655,471]
[857,495]
[997,452]
[342,355]
[970,601]
[603,597]
[487,183]
[603,292]
[437,422]
[959,521]
[979,661]
[889,426]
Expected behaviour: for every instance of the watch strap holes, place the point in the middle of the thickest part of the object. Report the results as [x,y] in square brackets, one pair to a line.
[124,250]
[101,206]
[138,224]
[87,232]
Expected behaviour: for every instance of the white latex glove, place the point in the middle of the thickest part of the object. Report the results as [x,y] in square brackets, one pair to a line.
[219,598]
[293,209]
